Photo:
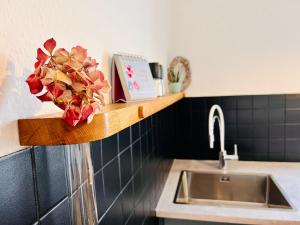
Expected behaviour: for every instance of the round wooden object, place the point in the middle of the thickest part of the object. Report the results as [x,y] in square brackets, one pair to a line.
[188,75]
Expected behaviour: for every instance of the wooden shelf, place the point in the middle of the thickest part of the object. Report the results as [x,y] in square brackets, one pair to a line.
[52,130]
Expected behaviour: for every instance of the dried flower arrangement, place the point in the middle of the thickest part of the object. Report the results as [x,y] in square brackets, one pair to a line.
[70,80]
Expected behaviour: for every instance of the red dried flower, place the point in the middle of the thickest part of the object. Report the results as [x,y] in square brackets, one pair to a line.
[70,80]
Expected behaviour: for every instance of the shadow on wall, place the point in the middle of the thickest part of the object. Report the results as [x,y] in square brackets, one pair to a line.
[15,99]
[2,70]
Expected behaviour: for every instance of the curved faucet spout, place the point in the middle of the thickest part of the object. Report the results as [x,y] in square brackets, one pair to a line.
[211,121]
[223,156]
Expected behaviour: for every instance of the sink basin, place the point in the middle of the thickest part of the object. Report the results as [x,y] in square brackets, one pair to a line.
[249,190]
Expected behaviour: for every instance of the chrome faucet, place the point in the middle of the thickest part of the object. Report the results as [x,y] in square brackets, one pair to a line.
[223,156]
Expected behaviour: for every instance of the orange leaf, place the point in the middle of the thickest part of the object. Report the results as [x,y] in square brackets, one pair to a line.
[35,84]
[56,89]
[50,45]
[79,53]
[41,56]
[47,97]
[72,115]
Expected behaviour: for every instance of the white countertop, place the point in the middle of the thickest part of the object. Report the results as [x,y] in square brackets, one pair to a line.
[286,176]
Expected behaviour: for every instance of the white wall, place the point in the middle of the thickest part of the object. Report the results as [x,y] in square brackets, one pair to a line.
[102,26]
[238,47]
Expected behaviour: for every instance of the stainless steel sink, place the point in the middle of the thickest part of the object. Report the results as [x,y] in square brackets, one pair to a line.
[235,189]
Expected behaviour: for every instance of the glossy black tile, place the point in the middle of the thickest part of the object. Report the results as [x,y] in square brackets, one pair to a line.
[260,157]
[109,148]
[277,101]
[133,220]
[261,131]
[292,116]
[245,131]
[144,147]
[260,101]
[149,122]
[245,102]
[199,116]
[138,186]
[147,204]
[128,201]
[139,213]
[293,101]
[244,116]
[114,215]
[231,131]
[292,158]
[292,147]
[135,132]
[151,221]
[230,116]
[229,102]
[276,146]
[60,215]
[245,146]
[136,156]
[111,181]
[100,198]
[277,131]
[292,131]
[51,176]
[126,166]
[277,115]
[124,139]
[261,116]
[210,101]
[96,153]
[277,156]
[261,146]
[143,127]
[292,152]
[17,198]
[195,104]
[150,142]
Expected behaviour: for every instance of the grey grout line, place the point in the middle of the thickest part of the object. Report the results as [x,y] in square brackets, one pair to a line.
[35,182]
[55,207]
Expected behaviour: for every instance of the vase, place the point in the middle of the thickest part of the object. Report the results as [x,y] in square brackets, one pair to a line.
[175,87]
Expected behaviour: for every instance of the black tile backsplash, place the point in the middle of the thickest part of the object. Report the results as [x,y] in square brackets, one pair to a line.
[124,139]
[59,216]
[131,166]
[38,186]
[99,186]
[109,148]
[96,151]
[111,181]
[126,166]
[264,127]
[128,201]
[17,191]
[51,176]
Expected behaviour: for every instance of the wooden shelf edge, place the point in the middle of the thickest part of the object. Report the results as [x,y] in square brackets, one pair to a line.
[114,118]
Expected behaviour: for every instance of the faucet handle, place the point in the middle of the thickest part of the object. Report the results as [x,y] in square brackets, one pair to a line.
[235,149]
[236,156]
